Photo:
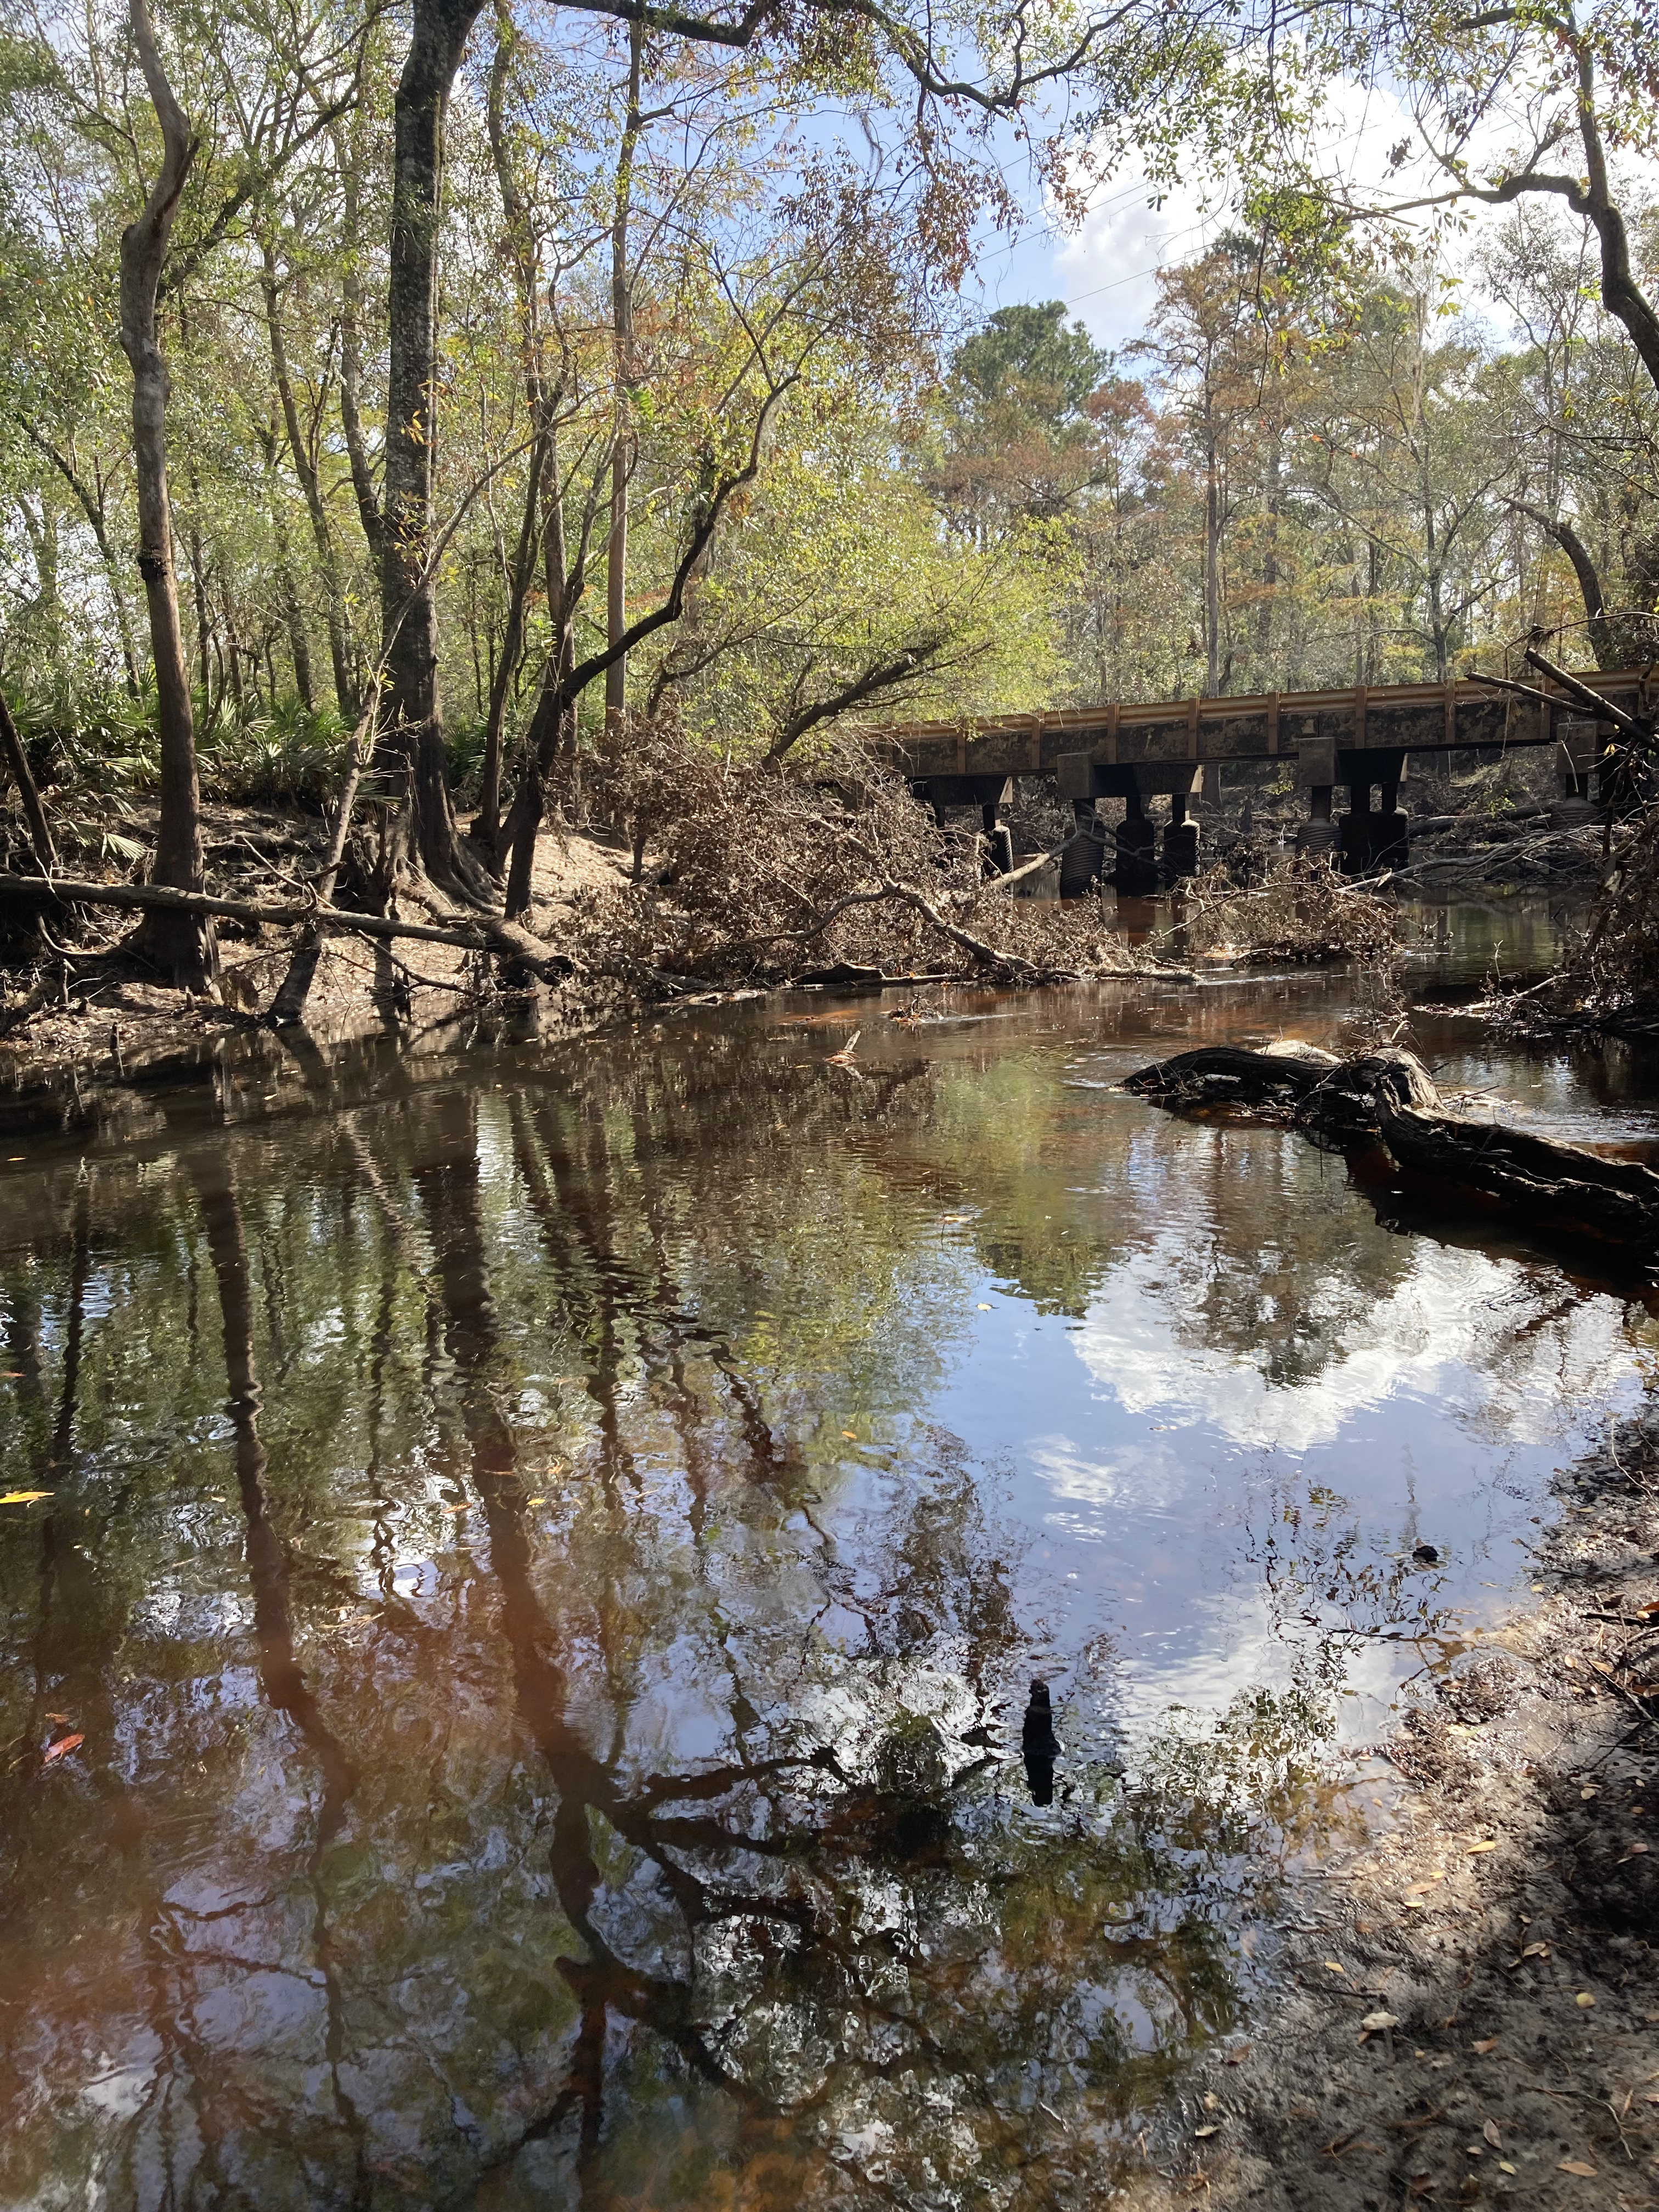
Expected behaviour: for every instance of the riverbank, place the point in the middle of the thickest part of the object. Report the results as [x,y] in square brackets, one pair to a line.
[757,882]
[1468,2007]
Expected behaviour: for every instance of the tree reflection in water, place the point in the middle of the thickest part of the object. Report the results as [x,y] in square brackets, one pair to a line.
[552,1707]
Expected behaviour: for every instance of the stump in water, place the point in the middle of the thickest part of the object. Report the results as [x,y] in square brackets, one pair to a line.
[1389,1095]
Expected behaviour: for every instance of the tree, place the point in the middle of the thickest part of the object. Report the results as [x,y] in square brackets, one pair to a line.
[411,748]
[1536,78]
[181,944]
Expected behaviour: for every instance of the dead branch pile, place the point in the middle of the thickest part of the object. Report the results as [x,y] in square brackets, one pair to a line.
[758,874]
[1301,910]
[1609,980]
[1389,1095]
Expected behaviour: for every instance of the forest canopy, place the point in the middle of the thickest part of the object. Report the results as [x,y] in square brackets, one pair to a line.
[481,381]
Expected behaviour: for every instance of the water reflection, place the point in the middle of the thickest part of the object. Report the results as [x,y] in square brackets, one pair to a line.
[550,1564]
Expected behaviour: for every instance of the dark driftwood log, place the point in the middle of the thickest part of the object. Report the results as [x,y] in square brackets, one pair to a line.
[1229,1075]
[1389,1095]
[1564,1188]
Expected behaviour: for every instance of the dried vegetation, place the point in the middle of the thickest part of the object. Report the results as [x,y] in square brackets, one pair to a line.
[1301,910]
[1609,980]
[756,875]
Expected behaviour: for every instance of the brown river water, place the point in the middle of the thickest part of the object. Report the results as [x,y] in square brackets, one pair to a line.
[514,1679]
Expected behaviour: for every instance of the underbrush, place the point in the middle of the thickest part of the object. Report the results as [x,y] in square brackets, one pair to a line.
[287,755]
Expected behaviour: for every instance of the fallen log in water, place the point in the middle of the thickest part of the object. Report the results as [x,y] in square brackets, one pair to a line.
[1389,1097]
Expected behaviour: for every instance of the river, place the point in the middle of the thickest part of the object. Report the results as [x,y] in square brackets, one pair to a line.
[522,1576]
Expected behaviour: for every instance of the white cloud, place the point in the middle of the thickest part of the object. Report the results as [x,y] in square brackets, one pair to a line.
[1449,1311]
[1106,269]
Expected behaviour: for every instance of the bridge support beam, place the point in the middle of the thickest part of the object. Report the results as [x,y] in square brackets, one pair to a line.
[1368,839]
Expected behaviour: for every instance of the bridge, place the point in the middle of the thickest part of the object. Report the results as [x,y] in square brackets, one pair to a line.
[1360,737]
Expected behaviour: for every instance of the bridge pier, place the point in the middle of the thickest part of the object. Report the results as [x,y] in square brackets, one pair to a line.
[990,794]
[1180,840]
[1318,833]
[1373,840]
[1368,838]
[1081,864]
[1136,872]
[998,842]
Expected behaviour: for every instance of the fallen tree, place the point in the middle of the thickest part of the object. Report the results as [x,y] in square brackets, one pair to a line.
[1389,1098]
[487,934]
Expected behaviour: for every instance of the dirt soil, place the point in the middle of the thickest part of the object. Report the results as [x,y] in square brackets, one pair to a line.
[1503,1925]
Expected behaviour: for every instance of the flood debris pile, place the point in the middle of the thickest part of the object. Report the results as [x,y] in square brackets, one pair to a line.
[1609,980]
[1387,1099]
[1300,910]
[698,875]
[828,872]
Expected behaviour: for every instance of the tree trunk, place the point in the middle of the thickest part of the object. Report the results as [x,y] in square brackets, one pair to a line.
[412,750]
[95,505]
[621,319]
[304,470]
[288,586]
[1602,641]
[1270,550]
[522,241]
[541,748]
[1212,562]
[348,153]
[183,944]
[1621,294]
[487,824]
[13,756]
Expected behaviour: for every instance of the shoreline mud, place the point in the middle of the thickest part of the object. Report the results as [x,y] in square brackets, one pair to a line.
[1465,2010]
